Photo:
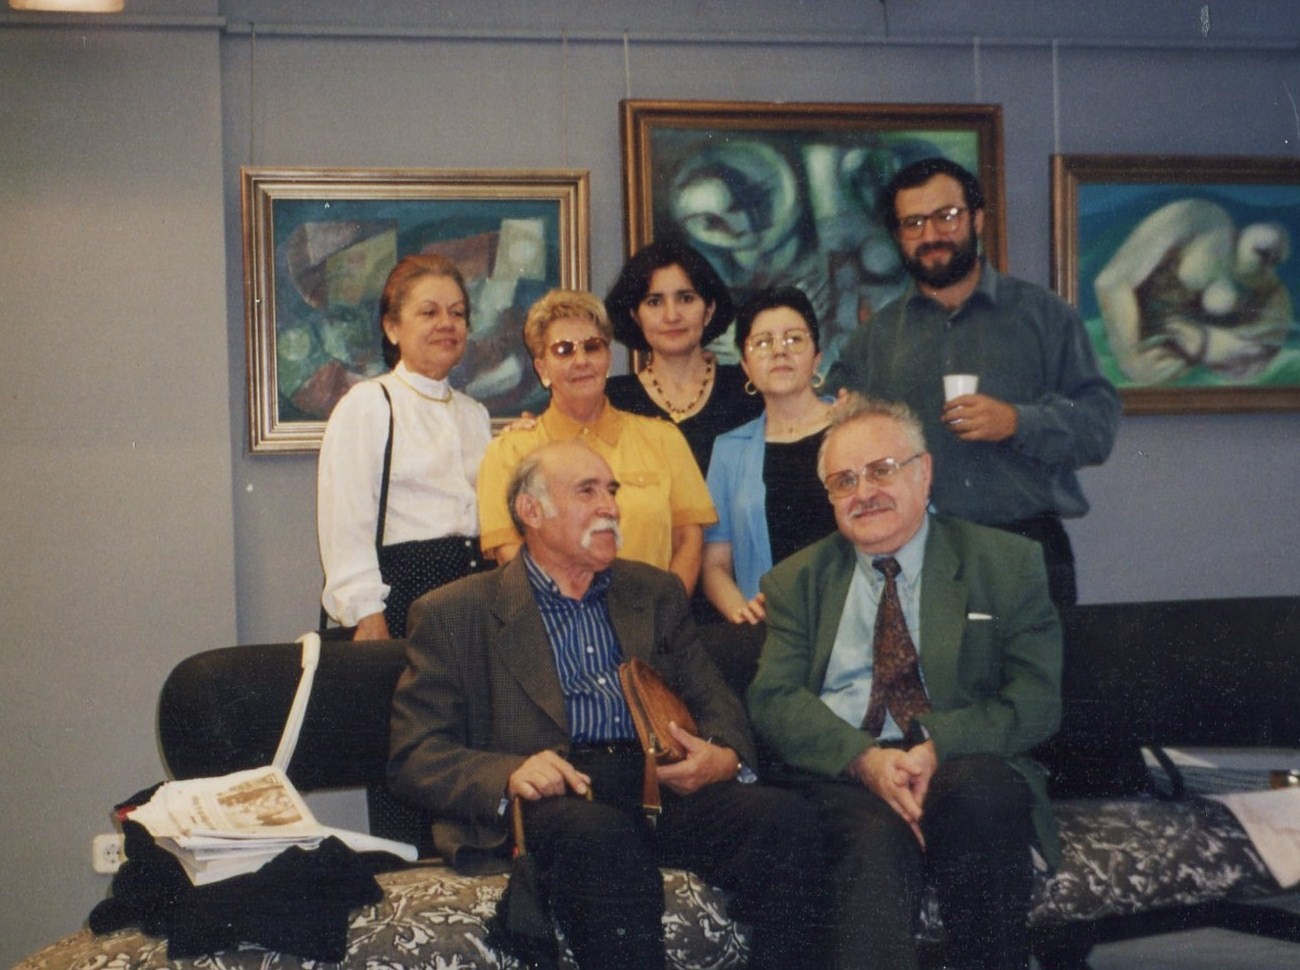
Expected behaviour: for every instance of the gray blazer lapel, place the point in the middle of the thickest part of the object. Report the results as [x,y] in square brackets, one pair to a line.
[522,645]
[943,615]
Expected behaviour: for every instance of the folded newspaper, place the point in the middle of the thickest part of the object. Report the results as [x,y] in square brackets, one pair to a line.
[228,826]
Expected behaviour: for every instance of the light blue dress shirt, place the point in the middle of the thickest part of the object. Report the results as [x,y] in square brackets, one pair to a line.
[846,689]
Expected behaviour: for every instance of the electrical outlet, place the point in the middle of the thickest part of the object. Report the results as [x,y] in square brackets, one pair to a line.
[107,853]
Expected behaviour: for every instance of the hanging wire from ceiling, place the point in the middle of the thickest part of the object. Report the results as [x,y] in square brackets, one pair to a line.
[627,67]
[252,94]
[1056,97]
[564,94]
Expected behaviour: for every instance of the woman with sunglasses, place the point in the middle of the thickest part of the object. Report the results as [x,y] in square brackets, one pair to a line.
[763,476]
[396,509]
[668,305]
[663,501]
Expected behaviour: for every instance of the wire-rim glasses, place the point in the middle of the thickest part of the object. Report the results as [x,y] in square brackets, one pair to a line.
[764,345]
[879,472]
[945,221]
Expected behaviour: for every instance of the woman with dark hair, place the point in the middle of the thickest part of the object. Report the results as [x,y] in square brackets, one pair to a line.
[668,305]
[395,492]
[763,478]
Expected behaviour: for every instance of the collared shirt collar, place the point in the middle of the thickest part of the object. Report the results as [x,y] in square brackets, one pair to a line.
[561,427]
[542,583]
[420,383]
[911,557]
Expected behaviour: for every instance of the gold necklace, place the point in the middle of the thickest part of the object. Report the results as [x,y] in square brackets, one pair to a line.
[679,414]
[428,397]
[822,413]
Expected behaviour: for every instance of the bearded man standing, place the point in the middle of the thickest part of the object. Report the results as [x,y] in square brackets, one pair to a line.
[1005,456]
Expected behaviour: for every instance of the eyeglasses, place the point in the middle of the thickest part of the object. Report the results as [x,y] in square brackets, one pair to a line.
[567,348]
[764,345]
[882,472]
[945,221]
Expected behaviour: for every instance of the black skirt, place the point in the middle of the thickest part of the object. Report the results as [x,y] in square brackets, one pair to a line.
[411,569]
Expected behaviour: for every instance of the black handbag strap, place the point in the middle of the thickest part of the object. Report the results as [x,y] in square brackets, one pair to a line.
[388,469]
[383,492]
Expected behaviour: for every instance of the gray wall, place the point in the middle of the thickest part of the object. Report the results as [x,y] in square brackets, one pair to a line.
[136,527]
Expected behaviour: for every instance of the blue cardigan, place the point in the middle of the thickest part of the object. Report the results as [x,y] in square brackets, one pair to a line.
[739,495]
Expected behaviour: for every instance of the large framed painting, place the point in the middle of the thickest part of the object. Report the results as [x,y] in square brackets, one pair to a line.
[1182,268]
[319,244]
[775,194]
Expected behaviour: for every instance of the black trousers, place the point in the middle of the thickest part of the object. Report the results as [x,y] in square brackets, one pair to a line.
[978,833]
[600,863]
[1058,554]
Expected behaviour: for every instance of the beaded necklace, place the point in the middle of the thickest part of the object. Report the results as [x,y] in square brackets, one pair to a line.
[679,414]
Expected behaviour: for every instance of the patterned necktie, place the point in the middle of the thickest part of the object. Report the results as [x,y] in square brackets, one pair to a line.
[896,681]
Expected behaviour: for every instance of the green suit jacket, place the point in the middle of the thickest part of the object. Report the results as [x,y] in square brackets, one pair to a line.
[990,645]
[481,692]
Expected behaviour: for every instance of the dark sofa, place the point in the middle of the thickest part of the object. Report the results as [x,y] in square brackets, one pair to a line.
[1141,856]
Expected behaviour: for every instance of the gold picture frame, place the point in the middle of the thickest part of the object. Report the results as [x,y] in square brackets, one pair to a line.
[1182,270]
[785,193]
[319,243]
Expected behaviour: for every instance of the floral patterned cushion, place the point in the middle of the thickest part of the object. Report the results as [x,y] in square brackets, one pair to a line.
[1127,856]
[429,919]
[1121,857]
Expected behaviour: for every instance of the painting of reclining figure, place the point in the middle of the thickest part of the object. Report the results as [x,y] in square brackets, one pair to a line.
[1185,273]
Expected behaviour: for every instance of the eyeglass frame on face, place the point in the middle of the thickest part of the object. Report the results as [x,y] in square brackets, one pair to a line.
[565,349]
[764,345]
[945,218]
[880,472]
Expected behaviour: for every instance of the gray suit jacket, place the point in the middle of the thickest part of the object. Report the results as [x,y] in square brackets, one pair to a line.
[990,655]
[480,693]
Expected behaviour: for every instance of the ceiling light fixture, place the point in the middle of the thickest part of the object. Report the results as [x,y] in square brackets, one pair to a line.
[69,6]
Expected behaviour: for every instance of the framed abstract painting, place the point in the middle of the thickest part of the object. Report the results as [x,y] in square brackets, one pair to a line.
[776,194]
[318,247]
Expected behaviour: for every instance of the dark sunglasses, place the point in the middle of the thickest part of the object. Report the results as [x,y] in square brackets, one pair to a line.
[567,348]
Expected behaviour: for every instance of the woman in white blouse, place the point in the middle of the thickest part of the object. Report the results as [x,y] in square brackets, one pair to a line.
[396,509]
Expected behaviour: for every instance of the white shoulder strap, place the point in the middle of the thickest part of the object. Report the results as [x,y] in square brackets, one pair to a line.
[298,710]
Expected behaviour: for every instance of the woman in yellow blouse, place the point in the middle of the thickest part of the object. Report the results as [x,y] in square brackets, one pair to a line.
[663,501]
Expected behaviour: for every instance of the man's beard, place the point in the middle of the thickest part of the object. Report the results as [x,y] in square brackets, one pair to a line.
[959,265]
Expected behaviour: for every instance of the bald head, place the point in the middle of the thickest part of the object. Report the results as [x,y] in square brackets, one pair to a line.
[562,501]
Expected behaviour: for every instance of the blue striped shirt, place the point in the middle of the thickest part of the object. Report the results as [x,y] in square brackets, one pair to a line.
[587,656]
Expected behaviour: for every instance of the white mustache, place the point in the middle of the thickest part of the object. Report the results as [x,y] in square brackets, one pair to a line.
[604,524]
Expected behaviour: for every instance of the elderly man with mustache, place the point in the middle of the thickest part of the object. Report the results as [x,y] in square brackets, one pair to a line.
[1007,455]
[911,662]
[512,690]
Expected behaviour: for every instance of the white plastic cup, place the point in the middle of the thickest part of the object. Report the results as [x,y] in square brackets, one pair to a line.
[957,385]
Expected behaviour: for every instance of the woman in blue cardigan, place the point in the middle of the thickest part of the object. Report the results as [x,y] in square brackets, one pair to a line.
[763,476]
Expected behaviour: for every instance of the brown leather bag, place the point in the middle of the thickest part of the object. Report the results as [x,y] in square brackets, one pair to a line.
[653,705]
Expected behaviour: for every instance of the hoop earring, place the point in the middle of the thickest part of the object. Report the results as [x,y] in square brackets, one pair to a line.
[818,380]
[750,389]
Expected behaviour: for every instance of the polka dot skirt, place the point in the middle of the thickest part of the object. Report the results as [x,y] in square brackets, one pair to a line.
[411,569]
